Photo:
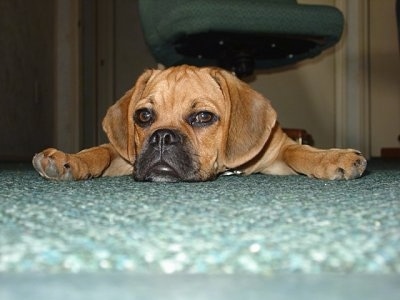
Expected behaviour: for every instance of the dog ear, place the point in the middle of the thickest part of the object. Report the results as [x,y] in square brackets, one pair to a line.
[251,120]
[118,122]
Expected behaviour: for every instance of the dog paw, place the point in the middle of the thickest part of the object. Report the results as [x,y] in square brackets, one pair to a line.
[342,164]
[53,164]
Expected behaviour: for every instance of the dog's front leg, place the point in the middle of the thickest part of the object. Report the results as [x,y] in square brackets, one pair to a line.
[89,163]
[324,164]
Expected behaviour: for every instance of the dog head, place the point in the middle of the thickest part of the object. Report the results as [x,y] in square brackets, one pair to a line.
[188,124]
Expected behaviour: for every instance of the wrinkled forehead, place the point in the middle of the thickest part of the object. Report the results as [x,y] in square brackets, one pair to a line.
[182,85]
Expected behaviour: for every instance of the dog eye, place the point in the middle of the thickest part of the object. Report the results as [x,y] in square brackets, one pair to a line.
[203,118]
[144,117]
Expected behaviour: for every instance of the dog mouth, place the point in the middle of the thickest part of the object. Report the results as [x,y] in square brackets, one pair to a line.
[162,172]
[167,156]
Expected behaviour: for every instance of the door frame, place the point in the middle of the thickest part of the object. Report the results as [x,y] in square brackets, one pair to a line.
[352,75]
[67,76]
[84,71]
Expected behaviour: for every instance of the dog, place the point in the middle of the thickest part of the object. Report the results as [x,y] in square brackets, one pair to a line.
[190,124]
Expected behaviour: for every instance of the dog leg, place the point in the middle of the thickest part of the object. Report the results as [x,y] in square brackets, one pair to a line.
[325,164]
[94,162]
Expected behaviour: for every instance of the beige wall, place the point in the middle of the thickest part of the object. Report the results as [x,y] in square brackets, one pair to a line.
[347,97]
[304,95]
[385,76]
[308,96]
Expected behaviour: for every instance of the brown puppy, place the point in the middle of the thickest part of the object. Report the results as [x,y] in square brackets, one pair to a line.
[191,124]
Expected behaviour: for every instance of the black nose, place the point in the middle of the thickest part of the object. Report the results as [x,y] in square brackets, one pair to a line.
[163,138]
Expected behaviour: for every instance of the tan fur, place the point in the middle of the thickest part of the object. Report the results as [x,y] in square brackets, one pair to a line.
[246,137]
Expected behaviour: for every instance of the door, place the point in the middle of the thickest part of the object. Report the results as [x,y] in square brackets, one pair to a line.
[26,77]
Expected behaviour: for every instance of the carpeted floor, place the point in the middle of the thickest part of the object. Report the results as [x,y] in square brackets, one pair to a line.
[245,236]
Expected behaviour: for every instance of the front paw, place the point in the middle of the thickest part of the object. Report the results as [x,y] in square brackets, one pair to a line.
[54,165]
[343,164]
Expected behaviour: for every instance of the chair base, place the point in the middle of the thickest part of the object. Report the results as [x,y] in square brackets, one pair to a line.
[240,53]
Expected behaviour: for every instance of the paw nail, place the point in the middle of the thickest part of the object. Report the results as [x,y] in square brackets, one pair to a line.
[340,170]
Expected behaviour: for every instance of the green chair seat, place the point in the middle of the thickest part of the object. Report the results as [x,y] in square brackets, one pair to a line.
[267,33]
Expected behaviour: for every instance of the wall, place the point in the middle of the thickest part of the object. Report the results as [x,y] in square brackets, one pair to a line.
[131,52]
[385,76]
[347,97]
[303,95]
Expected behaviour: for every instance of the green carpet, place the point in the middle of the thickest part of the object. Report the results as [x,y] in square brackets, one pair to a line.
[257,234]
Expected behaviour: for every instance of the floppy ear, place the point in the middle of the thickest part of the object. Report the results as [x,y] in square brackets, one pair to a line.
[118,122]
[251,119]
